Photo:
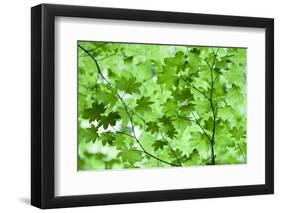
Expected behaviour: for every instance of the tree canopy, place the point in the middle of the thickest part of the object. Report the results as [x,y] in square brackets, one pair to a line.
[148,105]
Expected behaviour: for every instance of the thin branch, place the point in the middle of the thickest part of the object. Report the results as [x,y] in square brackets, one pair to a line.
[214,111]
[216,78]
[193,87]
[198,123]
[124,133]
[136,150]
[134,136]
[157,162]
[243,155]
[108,56]
[171,148]
[144,150]
[94,49]
[96,62]
[208,64]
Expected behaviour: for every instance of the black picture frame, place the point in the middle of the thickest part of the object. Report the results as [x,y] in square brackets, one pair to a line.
[43,102]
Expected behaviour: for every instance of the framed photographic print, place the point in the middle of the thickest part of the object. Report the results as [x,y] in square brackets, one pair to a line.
[140,106]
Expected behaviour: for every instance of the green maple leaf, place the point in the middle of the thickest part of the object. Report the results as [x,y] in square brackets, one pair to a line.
[91,134]
[177,61]
[194,158]
[130,156]
[219,90]
[238,133]
[128,60]
[152,127]
[234,97]
[107,138]
[186,109]
[143,104]
[183,94]
[107,97]
[122,142]
[235,76]
[110,119]
[194,63]
[168,77]
[129,86]
[166,120]
[201,143]
[170,107]
[217,71]
[175,153]
[223,135]
[159,144]
[168,126]
[208,125]
[171,132]
[195,51]
[95,112]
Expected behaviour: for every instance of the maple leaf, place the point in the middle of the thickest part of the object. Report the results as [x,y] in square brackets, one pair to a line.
[171,133]
[238,133]
[152,127]
[168,77]
[91,134]
[95,112]
[166,120]
[170,107]
[208,125]
[107,138]
[107,97]
[131,156]
[177,61]
[143,104]
[129,86]
[194,158]
[110,119]
[159,144]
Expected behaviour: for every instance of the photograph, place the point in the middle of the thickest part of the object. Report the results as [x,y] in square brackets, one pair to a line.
[160,105]
[141,105]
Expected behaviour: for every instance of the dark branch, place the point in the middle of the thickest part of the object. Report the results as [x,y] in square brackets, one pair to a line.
[214,111]
[198,123]
[243,155]
[171,148]
[193,87]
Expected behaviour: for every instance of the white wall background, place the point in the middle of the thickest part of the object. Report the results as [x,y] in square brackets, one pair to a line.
[15,105]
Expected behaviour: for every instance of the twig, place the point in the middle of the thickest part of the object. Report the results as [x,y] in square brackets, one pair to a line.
[171,148]
[193,87]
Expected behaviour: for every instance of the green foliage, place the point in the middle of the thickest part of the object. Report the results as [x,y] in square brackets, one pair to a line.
[159,144]
[109,119]
[129,86]
[152,127]
[143,106]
